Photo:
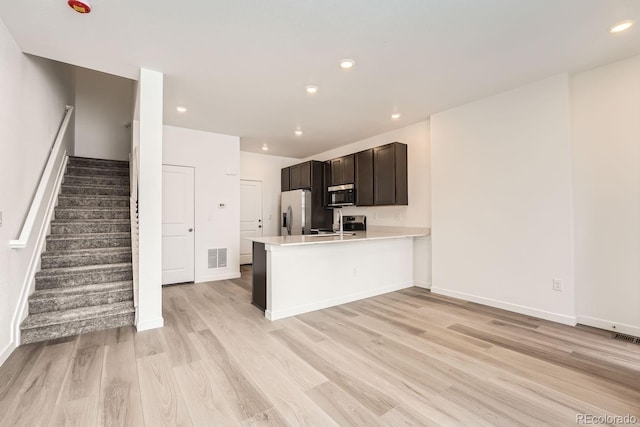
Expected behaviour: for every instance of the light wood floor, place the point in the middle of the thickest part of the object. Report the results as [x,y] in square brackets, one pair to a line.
[405,358]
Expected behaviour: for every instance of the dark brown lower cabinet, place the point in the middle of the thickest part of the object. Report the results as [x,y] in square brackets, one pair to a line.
[259,276]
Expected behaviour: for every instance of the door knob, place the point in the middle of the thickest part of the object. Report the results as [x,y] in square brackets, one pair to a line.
[190,230]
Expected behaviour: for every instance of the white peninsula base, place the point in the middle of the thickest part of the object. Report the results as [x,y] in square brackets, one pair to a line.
[314,274]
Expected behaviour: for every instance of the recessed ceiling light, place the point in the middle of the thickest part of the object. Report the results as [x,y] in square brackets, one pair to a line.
[311,89]
[395,116]
[347,63]
[298,132]
[265,147]
[618,28]
[181,109]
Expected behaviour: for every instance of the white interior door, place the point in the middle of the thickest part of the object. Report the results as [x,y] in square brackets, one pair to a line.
[250,217]
[177,224]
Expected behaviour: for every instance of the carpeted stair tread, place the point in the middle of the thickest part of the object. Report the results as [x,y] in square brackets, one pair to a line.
[89,236]
[91,220]
[79,257]
[40,320]
[86,170]
[69,271]
[44,294]
[95,180]
[77,252]
[76,160]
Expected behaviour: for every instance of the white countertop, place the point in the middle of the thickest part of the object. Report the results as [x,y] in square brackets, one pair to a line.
[373,233]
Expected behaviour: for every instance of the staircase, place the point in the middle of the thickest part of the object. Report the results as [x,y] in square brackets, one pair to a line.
[85,282]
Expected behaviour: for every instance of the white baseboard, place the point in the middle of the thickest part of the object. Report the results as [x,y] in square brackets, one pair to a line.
[331,302]
[6,352]
[214,277]
[145,325]
[609,325]
[529,311]
[422,284]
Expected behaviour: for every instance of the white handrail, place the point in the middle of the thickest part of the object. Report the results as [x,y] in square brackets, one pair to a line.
[27,227]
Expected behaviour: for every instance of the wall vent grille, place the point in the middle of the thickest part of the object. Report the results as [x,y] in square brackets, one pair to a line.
[627,338]
[217,258]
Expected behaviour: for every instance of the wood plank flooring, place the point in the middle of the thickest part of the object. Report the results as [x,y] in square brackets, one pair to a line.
[408,358]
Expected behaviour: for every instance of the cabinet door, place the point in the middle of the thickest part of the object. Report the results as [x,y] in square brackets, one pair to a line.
[295,177]
[364,178]
[348,169]
[384,182]
[336,171]
[285,184]
[305,175]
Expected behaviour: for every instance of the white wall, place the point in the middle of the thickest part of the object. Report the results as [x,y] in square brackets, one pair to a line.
[103,107]
[261,167]
[148,138]
[418,212]
[606,147]
[216,159]
[502,201]
[34,94]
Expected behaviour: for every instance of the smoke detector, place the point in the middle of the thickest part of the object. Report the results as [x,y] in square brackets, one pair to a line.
[79,6]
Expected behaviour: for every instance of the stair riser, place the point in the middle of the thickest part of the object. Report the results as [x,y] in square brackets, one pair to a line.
[97,214]
[82,260]
[71,244]
[91,171]
[95,180]
[75,328]
[77,301]
[96,191]
[92,202]
[80,228]
[82,279]
[100,163]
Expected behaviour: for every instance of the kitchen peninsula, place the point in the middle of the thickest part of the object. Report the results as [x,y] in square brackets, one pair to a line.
[302,273]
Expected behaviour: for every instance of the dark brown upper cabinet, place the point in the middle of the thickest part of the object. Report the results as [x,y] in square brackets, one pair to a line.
[390,175]
[300,176]
[364,177]
[285,179]
[343,170]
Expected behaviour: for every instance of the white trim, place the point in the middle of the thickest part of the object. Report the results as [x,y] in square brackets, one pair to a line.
[23,303]
[4,355]
[609,324]
[331,302]
[216,277]
[422,284]
[528,311]
[29,223]
[145,325]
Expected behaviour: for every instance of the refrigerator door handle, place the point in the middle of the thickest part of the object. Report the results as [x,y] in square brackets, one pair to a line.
[290,216]
[284,220]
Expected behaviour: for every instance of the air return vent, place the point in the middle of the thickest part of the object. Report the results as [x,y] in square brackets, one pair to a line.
[217,258]
[627,338]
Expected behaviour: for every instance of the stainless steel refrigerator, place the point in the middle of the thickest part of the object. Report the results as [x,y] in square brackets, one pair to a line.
[296,212]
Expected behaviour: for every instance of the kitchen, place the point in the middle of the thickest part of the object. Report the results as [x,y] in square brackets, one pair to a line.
[339,257]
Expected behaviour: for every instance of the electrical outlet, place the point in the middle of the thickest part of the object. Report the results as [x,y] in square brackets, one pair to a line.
[557,284]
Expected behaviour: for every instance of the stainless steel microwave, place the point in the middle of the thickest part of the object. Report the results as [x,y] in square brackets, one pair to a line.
[342,195]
